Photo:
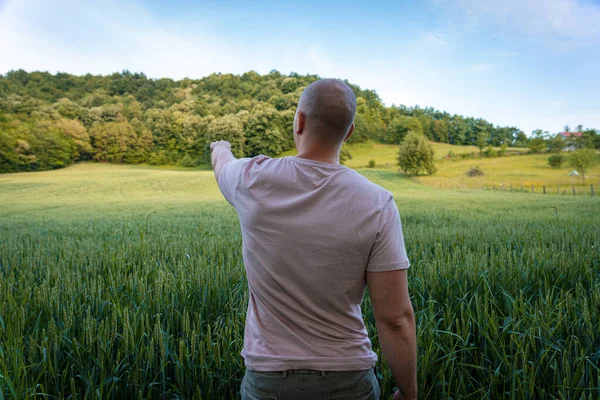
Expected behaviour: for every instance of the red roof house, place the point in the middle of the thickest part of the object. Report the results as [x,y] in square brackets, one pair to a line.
[570,135]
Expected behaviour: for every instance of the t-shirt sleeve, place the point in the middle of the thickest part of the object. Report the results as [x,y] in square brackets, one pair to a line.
[388,252]
[229,177]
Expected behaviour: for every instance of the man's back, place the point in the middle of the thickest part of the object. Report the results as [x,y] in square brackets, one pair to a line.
[311,231]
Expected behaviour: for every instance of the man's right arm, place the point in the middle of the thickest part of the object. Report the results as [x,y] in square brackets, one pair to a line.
[395,322]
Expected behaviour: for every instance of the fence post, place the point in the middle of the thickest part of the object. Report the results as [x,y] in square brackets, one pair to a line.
[532,188]
[573,186]
[511,187]
[592,187]
[558,190]
[544,189]
[522,188]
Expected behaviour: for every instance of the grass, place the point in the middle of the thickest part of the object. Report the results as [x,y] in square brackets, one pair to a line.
[517,169]
[385,154]
[127,282]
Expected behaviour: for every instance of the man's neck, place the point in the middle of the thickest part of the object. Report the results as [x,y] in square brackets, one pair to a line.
[325,157]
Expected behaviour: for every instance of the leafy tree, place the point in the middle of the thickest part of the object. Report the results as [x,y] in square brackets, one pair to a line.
[400,127]
[227,128]
[590,139]
[482,141]
[416,155]
[440,130]
[44,147]
[538,143]
[263,136]
[8,156]
[556,145]
[113,142]
[345,154]
[582,159]
[76,132]
[521,140]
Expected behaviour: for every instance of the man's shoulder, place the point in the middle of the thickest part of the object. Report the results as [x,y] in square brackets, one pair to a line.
[378,194]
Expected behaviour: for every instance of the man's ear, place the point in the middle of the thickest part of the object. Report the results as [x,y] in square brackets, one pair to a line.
[300,124]
[349,132]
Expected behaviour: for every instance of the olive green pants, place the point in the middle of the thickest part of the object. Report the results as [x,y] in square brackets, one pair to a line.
[306,384]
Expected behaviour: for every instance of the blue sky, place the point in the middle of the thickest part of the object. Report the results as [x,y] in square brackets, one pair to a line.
[525,63]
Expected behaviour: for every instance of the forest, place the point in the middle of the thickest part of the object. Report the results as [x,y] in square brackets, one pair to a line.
[49,121]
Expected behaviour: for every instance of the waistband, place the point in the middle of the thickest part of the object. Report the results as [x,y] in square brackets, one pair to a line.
[307,372]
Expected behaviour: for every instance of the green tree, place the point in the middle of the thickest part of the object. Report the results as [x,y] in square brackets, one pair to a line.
[400,127]
[482,141]
[227,128]
[556,145]
[537,143]
[345,154]
[582,159]
[76,132]
[416,155]
[440,130]
[263,134]
[521,140]
[113,142]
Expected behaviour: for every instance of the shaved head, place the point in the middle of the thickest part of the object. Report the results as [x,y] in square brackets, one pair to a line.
[328,107]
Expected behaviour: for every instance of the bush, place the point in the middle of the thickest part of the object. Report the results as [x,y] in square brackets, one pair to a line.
[345,155]
[188,161]
[490,152]
[464,156]
[502,150]
[159,158]
[371,164]
[475,171]
[556,161]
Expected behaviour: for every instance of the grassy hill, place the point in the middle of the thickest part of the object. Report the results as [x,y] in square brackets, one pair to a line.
[516,168]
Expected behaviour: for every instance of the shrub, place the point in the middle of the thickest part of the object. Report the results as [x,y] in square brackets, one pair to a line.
[502,150]
[159,158]
[371,164]
[490,152]
[556,161]
[475,171]
[188,161]
[464,156]
[345,155]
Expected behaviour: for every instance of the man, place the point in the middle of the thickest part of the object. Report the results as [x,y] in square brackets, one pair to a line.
[314,234]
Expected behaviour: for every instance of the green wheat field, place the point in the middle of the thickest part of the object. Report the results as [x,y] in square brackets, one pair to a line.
[128,282]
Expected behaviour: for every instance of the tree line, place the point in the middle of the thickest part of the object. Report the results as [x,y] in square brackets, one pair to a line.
[52,120]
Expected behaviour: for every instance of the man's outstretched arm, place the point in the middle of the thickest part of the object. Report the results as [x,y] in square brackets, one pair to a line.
[220,155]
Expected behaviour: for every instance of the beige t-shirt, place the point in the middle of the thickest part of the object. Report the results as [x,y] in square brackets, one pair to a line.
[310,231]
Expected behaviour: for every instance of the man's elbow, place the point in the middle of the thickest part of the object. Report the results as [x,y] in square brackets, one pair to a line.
[403,321]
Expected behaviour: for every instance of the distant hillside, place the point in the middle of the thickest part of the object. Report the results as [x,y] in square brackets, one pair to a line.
[50,121]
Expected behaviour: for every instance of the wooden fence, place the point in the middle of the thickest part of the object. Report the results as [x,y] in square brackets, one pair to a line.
[562,190]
